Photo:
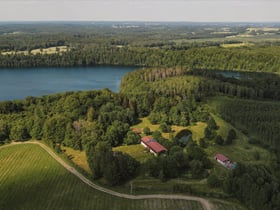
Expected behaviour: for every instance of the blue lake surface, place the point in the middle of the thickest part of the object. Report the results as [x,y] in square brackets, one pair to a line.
[22,82]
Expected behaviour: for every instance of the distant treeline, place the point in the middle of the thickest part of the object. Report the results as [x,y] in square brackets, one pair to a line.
[265,59]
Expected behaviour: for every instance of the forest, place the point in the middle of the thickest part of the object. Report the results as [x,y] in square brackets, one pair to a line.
[177,86]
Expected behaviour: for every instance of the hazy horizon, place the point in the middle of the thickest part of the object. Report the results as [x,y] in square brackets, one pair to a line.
[140,11]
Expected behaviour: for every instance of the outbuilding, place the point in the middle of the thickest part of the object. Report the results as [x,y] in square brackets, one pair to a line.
[220,158]
[152,145]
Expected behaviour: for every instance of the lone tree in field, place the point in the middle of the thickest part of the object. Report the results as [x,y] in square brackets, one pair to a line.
[231,136]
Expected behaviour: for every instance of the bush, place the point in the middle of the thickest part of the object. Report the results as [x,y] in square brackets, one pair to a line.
[165,128]
[257,155]
[213,181]
[231,136]
[253,141]
[147,131]
[219,140]
[182,188]
[132,138]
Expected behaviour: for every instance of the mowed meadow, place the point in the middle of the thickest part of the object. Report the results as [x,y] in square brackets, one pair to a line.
[31,179]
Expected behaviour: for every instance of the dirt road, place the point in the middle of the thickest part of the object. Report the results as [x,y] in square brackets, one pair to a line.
[205,203]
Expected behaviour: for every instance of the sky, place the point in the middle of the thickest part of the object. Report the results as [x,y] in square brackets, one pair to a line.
[141,10]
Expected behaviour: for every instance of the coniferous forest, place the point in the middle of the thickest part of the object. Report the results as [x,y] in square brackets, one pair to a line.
[177,84]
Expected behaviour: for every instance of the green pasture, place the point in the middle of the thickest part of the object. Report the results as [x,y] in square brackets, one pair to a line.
[31,179]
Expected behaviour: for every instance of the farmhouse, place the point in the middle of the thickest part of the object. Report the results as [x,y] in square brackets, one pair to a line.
[224,161]
[152,145]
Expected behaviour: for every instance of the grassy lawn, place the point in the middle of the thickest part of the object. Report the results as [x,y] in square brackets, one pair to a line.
[146,123]
[136,151]
[31,179]
[240,150]
[78,157]
[197,129]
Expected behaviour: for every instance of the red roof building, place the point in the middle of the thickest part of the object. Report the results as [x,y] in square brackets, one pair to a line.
[153,146]
[224,161]
[221,158]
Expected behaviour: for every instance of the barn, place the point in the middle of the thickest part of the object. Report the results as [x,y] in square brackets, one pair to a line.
[152,145]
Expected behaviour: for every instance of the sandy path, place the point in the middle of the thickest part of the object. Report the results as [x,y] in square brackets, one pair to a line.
[205,203]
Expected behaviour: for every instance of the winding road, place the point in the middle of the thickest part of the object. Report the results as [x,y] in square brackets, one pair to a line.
[205,203]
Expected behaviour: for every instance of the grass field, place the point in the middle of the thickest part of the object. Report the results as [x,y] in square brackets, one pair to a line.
[50,50]
[197,129]
[233,45]
[136,151]
[227,206]
[78,157]
[31,179]
[240,150]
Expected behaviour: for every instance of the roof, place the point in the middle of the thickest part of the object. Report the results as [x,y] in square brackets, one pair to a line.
[221,157]
[145,139]
[153,144]
[157,147]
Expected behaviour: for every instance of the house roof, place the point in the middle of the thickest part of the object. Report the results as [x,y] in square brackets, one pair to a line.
[153,144]
[221,157]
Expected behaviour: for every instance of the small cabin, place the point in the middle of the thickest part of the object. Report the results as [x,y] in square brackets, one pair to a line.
[220,158]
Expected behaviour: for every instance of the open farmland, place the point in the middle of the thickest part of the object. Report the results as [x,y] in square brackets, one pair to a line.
[31,179]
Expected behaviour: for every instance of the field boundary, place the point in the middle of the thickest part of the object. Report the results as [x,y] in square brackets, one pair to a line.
[204,202]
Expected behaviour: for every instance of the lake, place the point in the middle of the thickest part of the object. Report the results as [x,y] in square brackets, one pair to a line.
[22,82]
[235,74]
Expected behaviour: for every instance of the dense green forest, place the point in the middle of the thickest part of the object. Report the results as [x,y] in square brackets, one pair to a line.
[176,88]
[187,46]
[256,58]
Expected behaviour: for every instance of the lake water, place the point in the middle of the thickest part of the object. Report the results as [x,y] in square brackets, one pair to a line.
[234,74]
[23,82]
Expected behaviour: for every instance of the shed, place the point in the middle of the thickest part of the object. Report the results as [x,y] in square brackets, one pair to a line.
[222,159]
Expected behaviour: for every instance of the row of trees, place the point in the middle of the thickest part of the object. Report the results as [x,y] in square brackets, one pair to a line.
[258,119]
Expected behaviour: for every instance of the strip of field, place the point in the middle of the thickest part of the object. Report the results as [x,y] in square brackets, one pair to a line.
[30,179]
[43,51]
